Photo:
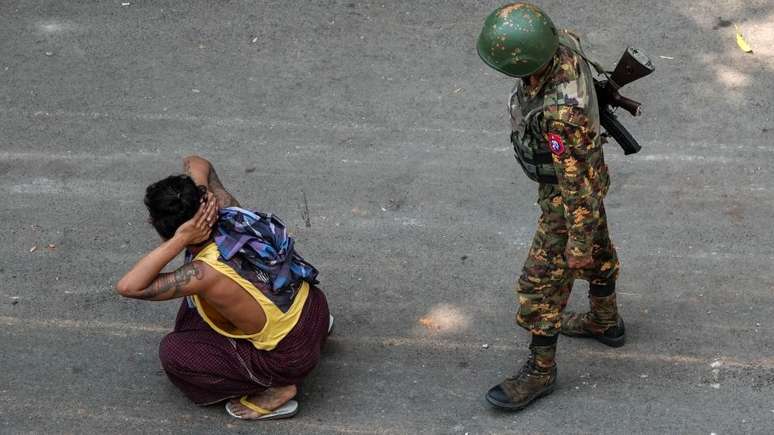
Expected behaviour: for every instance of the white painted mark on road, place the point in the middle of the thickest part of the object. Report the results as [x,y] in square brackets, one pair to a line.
[690,158]
[52,156]
[236,121]
[37,186]
[78,187]
[409,222]
[54,26]
[370,127]
[125,329]
[110,328]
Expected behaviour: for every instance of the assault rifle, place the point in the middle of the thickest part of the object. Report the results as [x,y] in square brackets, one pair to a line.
[632,66]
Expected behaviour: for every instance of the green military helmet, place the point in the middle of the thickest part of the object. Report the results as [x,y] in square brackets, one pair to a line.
[517,39]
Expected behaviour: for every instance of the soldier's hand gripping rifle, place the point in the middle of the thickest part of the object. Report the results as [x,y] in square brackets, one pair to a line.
[633,65]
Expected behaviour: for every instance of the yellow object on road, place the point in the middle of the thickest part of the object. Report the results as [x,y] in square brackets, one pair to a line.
[741,42]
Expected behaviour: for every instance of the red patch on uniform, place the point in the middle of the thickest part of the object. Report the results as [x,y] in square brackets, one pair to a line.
[555,144]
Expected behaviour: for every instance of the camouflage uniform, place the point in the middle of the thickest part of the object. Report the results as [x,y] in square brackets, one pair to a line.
[573,218]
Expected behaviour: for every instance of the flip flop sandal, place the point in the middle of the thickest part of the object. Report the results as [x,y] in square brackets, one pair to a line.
[289,409]
[330,324]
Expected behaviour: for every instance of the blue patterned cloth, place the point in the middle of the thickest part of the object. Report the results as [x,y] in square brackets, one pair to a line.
[262,241]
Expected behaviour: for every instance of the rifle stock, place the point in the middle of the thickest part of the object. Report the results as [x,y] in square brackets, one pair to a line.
[632,66]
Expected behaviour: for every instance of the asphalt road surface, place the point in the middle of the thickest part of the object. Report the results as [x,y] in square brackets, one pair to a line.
[378,135]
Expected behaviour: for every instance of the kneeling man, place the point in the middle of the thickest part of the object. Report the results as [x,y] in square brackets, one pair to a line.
[252,322]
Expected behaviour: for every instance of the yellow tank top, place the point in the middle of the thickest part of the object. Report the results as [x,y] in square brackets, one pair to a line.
[278,324]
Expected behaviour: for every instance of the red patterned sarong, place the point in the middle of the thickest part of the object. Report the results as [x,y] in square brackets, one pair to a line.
[209,367]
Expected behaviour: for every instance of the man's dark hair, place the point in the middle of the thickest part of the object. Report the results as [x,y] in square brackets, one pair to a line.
[171,202]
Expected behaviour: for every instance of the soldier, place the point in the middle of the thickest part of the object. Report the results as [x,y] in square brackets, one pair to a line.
[556,136]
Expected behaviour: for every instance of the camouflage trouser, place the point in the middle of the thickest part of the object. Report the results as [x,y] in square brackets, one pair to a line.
[546,281]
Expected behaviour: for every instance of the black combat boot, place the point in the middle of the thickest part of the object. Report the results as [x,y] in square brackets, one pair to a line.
[535,379]
[602,322]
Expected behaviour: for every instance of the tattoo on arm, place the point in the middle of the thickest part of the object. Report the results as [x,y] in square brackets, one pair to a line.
[214,184]
[174,281]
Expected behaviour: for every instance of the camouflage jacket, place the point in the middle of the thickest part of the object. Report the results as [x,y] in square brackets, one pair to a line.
[571,128]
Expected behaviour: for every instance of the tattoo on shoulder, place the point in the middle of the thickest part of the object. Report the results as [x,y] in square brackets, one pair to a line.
[174,281]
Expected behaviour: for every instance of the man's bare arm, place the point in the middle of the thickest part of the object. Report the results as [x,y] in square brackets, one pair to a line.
[216,187]
[203,173]
[174,284]
[144,280]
